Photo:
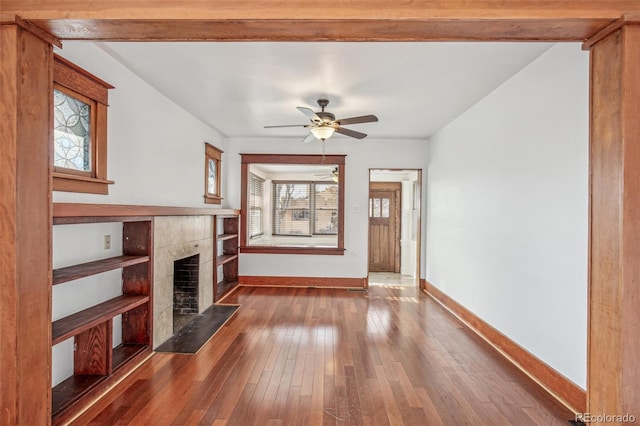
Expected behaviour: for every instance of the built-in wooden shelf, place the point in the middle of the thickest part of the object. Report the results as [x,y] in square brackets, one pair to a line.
[97,365]
[124,353]
[71,390]
[226,231]
[226,285]
[76,323]
[74,272]
[225,258]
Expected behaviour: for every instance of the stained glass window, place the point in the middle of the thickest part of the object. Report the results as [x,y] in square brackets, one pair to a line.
[72,132]
[212,187]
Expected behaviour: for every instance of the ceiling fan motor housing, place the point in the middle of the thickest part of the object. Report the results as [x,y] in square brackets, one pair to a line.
[326,117]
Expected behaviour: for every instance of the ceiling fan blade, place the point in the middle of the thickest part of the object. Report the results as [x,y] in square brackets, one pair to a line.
[351,133]
[358,120]
[288,125]
[309,113]
[309,138]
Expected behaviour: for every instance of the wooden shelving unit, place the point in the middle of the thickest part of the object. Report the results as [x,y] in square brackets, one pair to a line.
[75,272]
[226,234]
[97,364]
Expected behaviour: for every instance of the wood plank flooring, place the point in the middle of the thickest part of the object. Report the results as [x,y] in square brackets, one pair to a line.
[389,356]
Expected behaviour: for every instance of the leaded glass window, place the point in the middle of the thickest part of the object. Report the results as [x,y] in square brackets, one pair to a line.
[212,186]
[72,132]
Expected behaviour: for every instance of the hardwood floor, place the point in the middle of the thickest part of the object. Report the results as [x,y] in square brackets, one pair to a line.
[332,357]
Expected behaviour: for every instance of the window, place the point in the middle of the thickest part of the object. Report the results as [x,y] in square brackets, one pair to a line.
[292,204]
[378,207]
[212,170]
[256,191]
[79,130]
[305,208]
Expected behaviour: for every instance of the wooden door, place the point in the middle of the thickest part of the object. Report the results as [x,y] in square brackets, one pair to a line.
[384,226]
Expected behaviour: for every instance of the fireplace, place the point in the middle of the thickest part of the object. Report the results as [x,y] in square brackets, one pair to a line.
[185,290]
[180,239]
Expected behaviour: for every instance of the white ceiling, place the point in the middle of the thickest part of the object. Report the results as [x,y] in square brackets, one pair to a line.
[237,88]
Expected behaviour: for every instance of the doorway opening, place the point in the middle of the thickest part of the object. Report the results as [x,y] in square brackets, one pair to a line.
[394,226]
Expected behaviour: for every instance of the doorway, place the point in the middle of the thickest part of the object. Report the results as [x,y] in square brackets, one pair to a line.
[394,226]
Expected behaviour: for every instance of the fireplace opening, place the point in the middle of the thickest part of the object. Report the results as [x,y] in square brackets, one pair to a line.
[185,290]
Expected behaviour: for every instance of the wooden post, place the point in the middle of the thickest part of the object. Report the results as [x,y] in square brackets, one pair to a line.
[26,79]
[614,312]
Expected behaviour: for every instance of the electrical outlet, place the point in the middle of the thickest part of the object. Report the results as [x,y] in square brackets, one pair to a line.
[107,242]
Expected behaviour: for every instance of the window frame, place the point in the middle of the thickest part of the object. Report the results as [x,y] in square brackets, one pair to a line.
[251,207]
[292,159]
[312,210]
[211,153]
[84,86]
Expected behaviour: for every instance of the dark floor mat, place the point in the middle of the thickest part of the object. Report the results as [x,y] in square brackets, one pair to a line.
[192,336]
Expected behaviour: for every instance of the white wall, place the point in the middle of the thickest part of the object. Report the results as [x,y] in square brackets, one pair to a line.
[361,156]
[155,148]
[507,209]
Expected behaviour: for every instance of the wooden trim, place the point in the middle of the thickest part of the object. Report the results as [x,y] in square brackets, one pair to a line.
[338,159]
[292,250]
[80,80]
[79,183]
[628,19]
[26,108]
[247,159]
[69,210]
[38,32]
[215,154]
[244,203]
[330,282]
[384,28]
[614,292]
[561,388]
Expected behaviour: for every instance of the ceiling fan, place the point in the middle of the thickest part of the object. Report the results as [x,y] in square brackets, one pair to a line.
[333,174]
[323,123]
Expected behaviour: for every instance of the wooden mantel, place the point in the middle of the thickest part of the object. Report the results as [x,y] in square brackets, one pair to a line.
[560,20]
[69,210]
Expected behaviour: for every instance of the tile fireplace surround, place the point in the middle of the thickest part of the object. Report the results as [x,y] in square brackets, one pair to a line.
[177,237]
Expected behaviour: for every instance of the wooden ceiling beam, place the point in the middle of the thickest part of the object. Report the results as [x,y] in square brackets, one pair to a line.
[371,20]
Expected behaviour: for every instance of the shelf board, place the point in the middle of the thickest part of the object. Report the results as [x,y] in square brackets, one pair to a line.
[223,237]
[224,286]
[74,272]
[76,323]
[126,352]
[71,390]
[225,258]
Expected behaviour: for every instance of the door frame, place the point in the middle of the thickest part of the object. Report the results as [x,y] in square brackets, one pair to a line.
[396,188]
[418,203]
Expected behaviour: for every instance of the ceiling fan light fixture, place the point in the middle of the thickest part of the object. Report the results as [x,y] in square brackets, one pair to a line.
[323,132]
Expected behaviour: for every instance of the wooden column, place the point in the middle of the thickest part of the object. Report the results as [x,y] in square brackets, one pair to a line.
[614,312]
[26,79]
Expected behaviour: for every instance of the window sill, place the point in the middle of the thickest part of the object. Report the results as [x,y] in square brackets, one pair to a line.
[212,199]
[75,183]
[293,250]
